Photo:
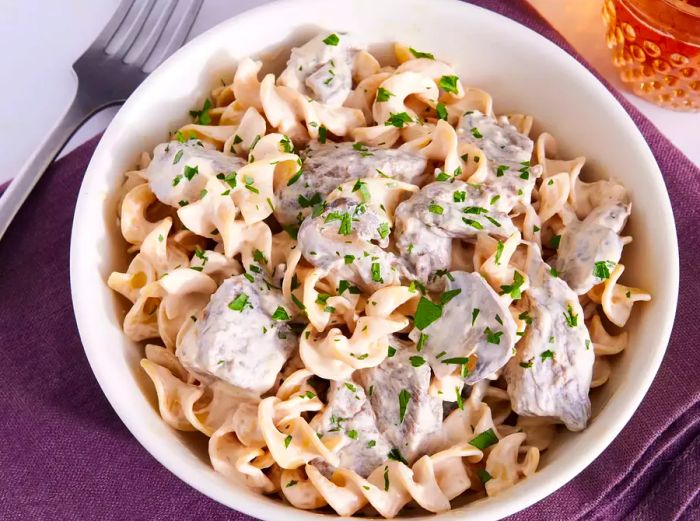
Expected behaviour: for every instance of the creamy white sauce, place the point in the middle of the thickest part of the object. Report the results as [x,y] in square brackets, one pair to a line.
[475,323]
[246,348]
[441,211]
[584,243]
[322,70]
[351,255]
[327,166]
[551,372]
[348,411]
[422,417]
[508,152]
[170,179]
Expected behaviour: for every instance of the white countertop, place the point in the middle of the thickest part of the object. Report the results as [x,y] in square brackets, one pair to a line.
[39,82]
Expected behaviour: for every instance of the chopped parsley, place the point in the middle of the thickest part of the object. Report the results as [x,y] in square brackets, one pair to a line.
[331,39]
[377,272]
[514,289]
[249,184]
[484,439]
[395,454]
[322,134]
[474,224]
[383,230]
[526,317]
[229,179]
[361,186]
[459,360]
[298,303]
[287,441]
[554,241]
[422,339]
[349,259]
[417,361]
[305,202]
[435,208]
[202,116]
[525,170]
[383,94]
[398,119]
[449,295]
[547,354]
[419,54]
[601,269]
[190,172]
[528,364]
[475,132]
[441,111]
[177,157]
[344,286]
[291,483]
[493,337]
[475,314]
[449,84]
[391,351]
[352,434]
[484,476]
[285,142]
[460,402]
[295,178]
[404,398]
[280,314]
[427,312]
[459,196]
[371,443]
[570,317]
[499,252]
[239,303]
[500,170]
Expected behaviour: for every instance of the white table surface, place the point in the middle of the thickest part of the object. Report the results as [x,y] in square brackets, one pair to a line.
[43,38]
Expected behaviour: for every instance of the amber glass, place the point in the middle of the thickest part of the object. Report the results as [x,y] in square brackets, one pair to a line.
[656,47]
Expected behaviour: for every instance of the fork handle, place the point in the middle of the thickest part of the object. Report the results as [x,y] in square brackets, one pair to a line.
[22,185]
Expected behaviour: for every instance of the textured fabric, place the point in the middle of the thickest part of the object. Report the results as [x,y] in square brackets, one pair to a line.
[66,455]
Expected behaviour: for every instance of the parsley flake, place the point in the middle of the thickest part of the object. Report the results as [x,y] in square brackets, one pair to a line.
[331,39]
[484,439]
[449,84]
[404,398]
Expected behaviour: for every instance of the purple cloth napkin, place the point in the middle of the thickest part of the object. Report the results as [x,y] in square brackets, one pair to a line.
[66,455]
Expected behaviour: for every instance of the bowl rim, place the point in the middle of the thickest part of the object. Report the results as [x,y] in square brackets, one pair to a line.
[274,510]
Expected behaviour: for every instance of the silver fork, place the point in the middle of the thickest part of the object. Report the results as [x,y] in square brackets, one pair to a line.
[104,79]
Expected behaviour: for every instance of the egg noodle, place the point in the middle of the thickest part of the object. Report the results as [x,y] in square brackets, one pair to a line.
[367,289]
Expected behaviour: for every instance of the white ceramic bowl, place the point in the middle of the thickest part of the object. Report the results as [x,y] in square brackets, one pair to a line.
[522,70]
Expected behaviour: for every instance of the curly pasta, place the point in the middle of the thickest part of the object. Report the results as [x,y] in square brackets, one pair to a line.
[366,287]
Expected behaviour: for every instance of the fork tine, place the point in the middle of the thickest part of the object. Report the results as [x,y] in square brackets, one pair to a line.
[113,25]
[182,30]
[155,34]
[135,28]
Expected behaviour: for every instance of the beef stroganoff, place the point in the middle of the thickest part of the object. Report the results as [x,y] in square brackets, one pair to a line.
[369,290]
